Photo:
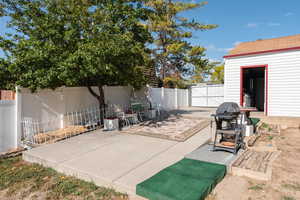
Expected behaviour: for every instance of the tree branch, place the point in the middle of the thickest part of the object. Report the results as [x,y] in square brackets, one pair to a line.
[93,92]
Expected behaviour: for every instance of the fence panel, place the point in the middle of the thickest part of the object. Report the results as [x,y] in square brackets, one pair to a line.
[183,98]
[170,98]
[207,95]
[7,125]
[156,96]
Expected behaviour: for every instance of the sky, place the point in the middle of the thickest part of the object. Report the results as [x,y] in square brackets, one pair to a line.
[239,21]
[244,20]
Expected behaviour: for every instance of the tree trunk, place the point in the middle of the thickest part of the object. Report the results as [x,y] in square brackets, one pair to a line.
[164,57]
[101,100]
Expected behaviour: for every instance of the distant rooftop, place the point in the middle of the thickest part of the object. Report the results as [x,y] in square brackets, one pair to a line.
[267,45]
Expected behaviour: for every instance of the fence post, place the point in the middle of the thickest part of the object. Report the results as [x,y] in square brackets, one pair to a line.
[206,95]
[187,93]
[18,117]
[162,96]
[176,98]
[62,121]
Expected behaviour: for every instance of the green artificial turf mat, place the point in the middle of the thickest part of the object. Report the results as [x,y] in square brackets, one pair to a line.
[254,120]
[185,180]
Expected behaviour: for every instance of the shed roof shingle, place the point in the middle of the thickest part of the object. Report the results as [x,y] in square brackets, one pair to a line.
[266,45]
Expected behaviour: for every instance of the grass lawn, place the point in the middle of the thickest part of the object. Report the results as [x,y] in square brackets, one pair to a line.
[21,180]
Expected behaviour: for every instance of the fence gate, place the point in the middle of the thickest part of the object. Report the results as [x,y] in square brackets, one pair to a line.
[207,95]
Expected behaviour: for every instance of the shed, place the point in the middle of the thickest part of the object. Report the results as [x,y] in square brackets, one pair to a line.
[265,74]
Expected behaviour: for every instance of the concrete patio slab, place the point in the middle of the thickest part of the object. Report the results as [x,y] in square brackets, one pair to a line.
[163,160]
[70,148]
[116,159]
[205,153]
[112,159]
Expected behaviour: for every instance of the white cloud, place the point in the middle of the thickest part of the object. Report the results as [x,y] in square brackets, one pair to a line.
[215,60]
[288,14]
[228,49]
[255,25]
[252,25]
[212,47]
[273,24]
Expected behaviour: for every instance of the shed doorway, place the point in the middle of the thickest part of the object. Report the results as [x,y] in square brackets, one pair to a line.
[254,82]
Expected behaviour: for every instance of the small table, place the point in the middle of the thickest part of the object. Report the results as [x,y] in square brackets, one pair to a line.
[245,111]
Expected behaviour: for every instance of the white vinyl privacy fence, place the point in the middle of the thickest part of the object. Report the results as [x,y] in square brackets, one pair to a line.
[7,125]
[207,95]
[170,99]
[54,114]
[10,128]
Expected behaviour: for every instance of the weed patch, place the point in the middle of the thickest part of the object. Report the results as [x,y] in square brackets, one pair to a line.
[292,186]
[288,198]
[257,187]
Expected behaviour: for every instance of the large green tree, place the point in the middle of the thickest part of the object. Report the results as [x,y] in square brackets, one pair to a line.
[75,43]
[217,76]
[172,52]
[204,72]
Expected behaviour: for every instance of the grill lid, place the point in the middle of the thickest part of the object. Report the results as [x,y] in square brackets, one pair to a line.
[228,108]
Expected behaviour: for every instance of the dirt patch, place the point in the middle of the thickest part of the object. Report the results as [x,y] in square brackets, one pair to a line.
[173,128]
[285,182]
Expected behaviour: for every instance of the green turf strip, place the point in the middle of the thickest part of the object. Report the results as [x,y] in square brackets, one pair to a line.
[255,121]
[185,180]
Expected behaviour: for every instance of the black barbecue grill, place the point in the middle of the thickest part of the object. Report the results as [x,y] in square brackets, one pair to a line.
[228,135]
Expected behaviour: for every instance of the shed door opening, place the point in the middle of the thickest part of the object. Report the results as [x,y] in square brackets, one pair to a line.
[253,87]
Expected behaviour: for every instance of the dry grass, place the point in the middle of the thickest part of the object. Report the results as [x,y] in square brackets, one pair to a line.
[20,180]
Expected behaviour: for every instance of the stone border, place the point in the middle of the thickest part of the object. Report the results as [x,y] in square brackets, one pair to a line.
[192,131]
[178,138]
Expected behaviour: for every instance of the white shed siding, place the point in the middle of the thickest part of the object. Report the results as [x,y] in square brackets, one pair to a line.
[283,80]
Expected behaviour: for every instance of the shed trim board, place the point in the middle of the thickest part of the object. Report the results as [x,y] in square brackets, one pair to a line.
[242,68]
[262,52]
